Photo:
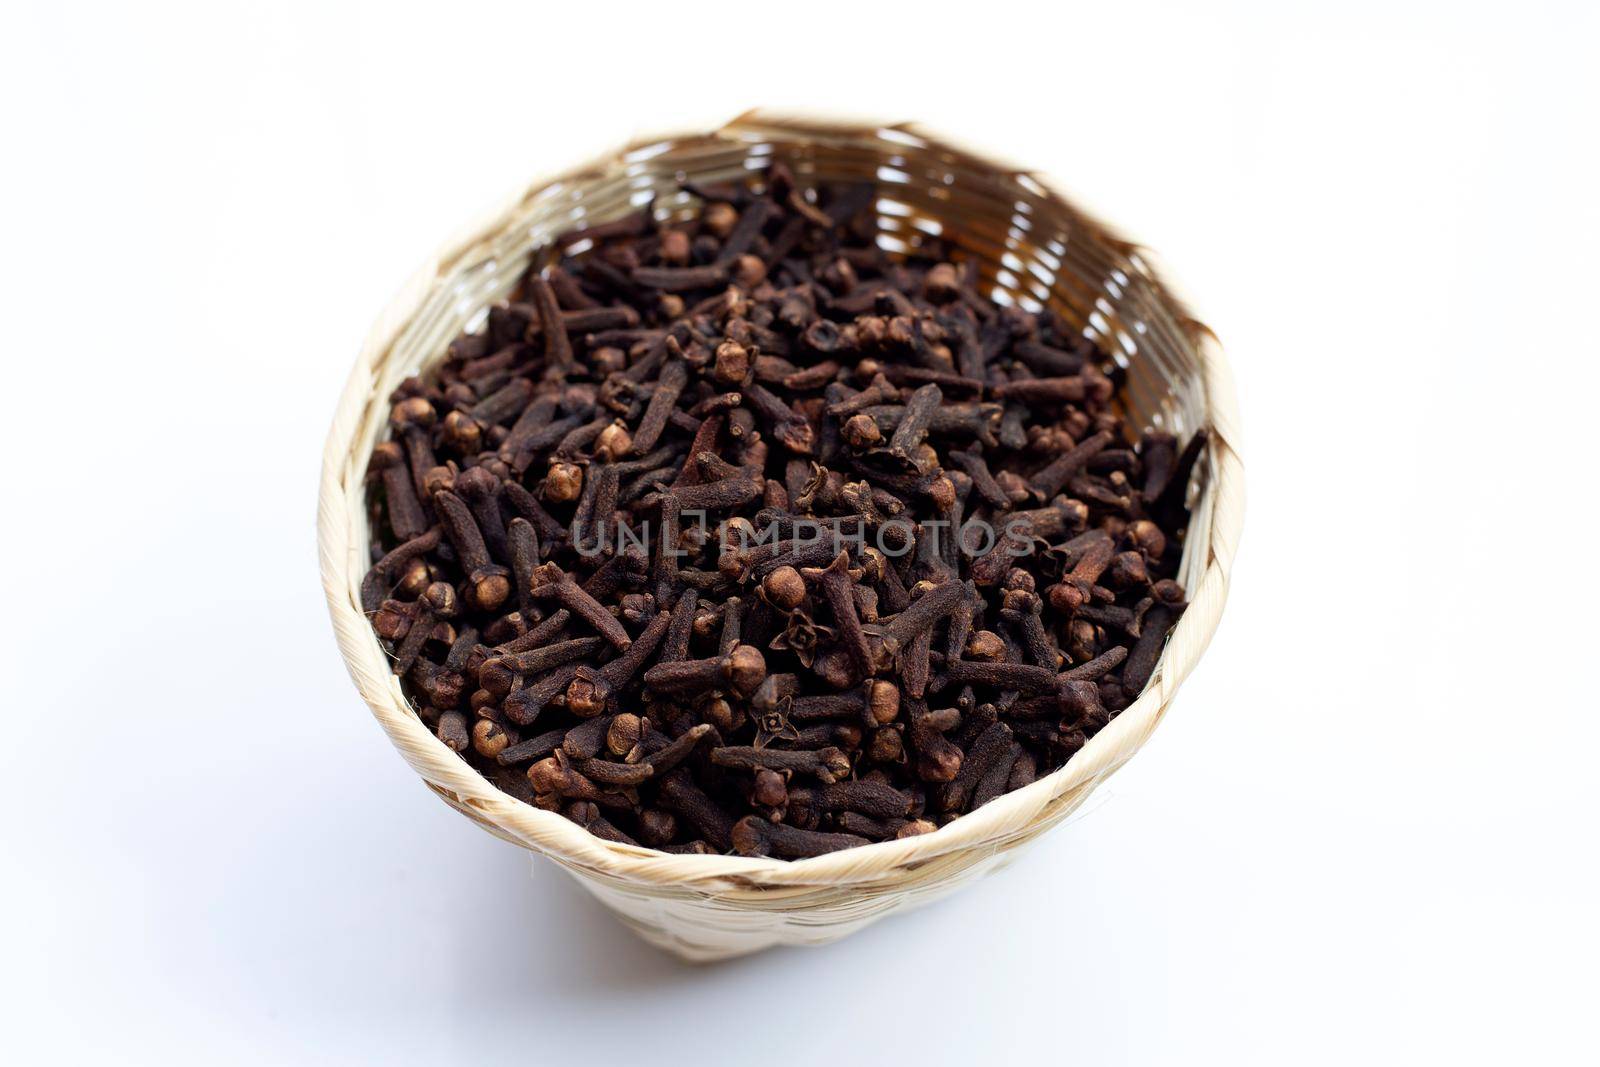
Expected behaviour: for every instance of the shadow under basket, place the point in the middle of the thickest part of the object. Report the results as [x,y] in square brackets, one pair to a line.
[1033,249]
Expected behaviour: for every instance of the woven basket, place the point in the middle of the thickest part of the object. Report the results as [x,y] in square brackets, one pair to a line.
[1034,249]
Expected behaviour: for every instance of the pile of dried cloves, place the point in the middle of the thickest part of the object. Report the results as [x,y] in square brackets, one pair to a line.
[735,532]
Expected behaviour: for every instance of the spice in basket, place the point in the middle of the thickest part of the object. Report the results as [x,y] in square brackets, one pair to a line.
[738,533]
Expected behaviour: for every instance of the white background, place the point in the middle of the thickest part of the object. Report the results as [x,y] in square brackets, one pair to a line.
[1365,832]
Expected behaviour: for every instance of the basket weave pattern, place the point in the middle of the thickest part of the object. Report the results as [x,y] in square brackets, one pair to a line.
[1033,249]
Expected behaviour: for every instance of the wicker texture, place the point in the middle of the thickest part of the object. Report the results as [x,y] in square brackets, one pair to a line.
[1034,249]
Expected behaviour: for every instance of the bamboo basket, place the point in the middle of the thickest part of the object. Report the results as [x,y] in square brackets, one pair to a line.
[1033,248]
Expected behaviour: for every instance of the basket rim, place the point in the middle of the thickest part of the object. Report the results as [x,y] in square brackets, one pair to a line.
[343,560]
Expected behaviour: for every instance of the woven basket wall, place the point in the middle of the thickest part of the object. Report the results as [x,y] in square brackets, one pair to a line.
[1034,249]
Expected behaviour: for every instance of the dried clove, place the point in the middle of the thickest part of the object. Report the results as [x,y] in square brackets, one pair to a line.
[723,502]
